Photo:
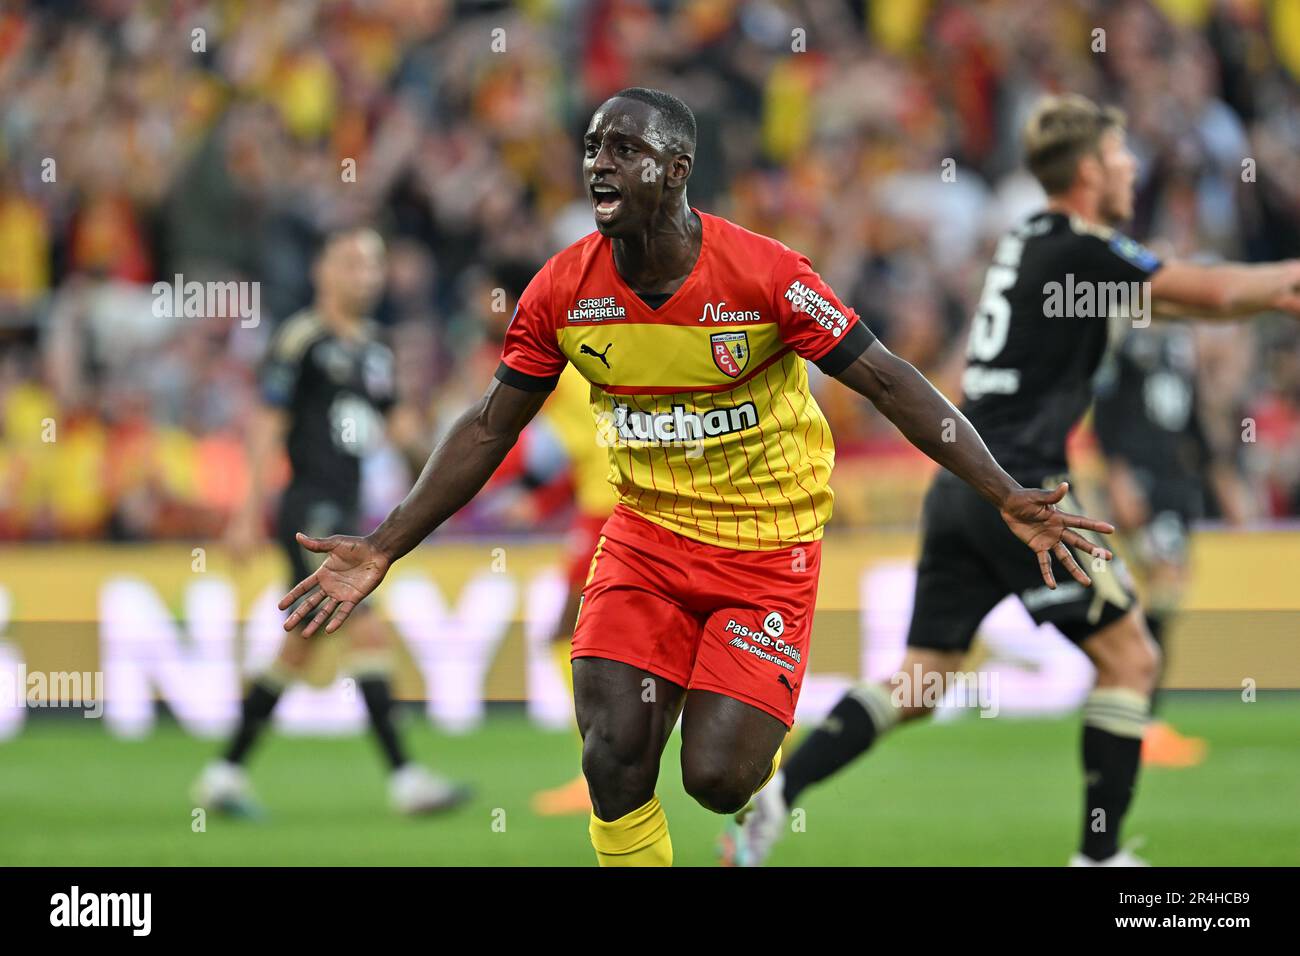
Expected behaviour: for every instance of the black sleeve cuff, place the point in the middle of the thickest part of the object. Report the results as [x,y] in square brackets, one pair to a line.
[528,383]
[856,341]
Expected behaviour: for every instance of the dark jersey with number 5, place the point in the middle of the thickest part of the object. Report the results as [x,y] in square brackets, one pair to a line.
[336,392]
[1040,331]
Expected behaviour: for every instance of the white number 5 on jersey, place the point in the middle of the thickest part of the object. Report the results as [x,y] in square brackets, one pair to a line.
[988,334]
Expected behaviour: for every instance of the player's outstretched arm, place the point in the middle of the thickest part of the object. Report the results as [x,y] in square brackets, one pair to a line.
[460,465]
[1227,291]
[932,424]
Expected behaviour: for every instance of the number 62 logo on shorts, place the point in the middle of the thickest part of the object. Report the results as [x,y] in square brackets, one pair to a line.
[774,625]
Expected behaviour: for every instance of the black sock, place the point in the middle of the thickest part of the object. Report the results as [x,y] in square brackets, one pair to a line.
[848,731]
[1113,722]
[1156,625]
[379,704]
[258,705]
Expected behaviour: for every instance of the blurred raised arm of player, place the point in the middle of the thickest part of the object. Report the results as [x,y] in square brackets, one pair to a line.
[1225,291]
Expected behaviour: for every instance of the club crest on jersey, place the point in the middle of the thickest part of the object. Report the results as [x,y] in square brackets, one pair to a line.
[730,352]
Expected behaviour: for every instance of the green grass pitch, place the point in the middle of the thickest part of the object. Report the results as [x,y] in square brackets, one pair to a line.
[981,792]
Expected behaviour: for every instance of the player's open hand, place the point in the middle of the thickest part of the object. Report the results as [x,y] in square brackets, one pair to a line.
[1032,514]
[352,569]
[1289,299]
[1289,303]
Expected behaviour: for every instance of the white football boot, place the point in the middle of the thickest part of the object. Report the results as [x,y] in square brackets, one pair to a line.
[414,790]
[750,837]
[223,788]
[1124,857]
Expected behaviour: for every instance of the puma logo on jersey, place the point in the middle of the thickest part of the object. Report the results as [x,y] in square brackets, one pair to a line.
[780,679]
[588,350]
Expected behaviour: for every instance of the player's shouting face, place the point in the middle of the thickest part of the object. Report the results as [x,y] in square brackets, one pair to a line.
[631,162]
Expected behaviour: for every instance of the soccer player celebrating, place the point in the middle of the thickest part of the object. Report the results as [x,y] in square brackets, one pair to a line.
[692,333]
[1028,380]
[326,386]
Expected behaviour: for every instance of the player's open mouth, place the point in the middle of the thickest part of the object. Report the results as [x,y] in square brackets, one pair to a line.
[606,201]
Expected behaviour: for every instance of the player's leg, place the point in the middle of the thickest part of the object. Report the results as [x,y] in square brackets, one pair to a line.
[632,649]
[748,672]
[370,660]
[730,749]
[572,796]
[264,693]
[954,591]
[1162,551]
[1114,721]
[866,713]
[625,715]
[412,788]
[223,784]
[1107,623]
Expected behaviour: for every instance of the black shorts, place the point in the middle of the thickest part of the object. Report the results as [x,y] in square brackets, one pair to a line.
[970,561]
[1174,502]
[308,511]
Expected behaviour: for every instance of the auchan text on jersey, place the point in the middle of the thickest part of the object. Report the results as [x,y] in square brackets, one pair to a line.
[680,425]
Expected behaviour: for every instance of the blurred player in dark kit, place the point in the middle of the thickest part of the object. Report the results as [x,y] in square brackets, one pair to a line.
[1158,459]
[328,397]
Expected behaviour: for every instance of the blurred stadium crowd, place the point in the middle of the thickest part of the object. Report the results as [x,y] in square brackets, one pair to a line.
[212,139]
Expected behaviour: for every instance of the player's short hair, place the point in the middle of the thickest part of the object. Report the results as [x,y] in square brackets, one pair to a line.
[1061,131]
[324,243]
[680,119]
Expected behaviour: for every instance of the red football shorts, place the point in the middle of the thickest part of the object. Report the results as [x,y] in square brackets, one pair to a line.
[733,622]
[580,546]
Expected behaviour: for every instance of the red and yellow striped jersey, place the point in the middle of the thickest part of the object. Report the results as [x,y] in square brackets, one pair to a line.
[702,403]
[568,411]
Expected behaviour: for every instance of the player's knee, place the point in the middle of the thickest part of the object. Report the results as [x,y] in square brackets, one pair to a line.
[293,656]
[918,712]
[618,771]
[1137,667]
[1129,658]
[918,686]
[717,787]
[1146,665]
[367,631]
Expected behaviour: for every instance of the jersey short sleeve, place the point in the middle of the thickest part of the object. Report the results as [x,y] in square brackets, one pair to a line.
[280,371]
[812,319]
[531,358]
[380,377]
[1114,257]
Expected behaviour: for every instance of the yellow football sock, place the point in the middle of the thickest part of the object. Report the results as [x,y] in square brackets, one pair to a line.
[639,838]
[776,765]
